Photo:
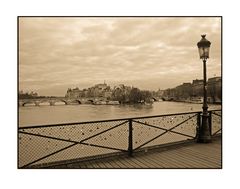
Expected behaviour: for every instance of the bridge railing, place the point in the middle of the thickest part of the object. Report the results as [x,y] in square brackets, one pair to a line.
[61,143]
[215,122]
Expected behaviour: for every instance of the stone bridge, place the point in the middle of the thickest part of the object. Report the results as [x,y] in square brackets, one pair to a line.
[52,101]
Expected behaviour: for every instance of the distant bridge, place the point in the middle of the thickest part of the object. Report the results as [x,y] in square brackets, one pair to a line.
[154,98]
[53,101]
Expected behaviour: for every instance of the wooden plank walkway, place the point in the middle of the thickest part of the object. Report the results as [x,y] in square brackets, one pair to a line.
[193,155]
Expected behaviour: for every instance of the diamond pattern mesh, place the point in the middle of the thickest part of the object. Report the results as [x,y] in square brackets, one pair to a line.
[36,143]
[144,132]
[216,122]
[32,148]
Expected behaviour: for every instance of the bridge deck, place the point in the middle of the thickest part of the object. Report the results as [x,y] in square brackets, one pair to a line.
[193,155]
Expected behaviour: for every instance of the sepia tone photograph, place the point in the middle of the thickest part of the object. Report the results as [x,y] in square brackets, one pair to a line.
[119,92]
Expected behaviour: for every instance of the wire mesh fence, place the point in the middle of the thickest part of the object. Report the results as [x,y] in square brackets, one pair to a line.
[46,144]
[40,145]
[164,129]
[216,122]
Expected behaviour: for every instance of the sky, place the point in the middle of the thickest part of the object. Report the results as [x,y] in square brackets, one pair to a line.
[151,53]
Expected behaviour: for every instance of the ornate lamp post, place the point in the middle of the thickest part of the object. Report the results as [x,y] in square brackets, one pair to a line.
[204,135]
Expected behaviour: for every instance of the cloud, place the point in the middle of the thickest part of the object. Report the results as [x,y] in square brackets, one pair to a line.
[151,53]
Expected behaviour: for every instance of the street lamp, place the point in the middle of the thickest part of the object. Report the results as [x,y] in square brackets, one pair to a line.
[204,135]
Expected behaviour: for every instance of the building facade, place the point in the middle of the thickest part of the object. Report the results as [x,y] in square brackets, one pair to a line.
[197,87]
[194,90]
[99,90]
[215,89]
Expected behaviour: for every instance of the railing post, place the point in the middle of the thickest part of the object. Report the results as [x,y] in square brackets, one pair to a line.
[130,137]
[198,125]
[210,122]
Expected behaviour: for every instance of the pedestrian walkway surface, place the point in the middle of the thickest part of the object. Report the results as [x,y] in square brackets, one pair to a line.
[192,155]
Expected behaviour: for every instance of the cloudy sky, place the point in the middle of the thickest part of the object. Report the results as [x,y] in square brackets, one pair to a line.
[148,53]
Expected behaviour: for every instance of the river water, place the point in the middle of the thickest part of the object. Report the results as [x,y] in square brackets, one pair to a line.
[41,115]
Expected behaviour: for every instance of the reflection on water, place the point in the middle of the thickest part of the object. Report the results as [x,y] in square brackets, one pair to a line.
[42,115]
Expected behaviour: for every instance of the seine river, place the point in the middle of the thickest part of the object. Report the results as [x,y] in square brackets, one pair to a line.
[42,115]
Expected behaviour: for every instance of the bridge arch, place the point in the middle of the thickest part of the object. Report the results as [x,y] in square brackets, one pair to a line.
[61,100]
[90,101]
[29,103]
[78,101]
[64,101]
[154,99]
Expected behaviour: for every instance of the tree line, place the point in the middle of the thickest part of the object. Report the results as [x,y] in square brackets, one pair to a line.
[132,96]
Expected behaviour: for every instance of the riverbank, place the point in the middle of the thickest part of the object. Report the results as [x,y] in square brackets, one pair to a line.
[197,101]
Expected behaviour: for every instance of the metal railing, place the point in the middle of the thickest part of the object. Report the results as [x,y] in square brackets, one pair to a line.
[46,144]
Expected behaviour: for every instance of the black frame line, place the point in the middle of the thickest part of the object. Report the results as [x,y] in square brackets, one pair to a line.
[18,45]
[123,16]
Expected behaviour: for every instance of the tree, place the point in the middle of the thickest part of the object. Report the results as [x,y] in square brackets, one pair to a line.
[118,94]
[146,96]
[135,96]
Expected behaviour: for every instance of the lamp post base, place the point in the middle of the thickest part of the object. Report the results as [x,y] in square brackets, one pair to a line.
[204,132]
[204,140]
